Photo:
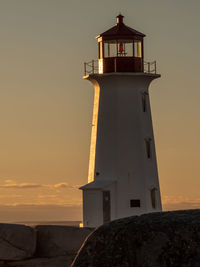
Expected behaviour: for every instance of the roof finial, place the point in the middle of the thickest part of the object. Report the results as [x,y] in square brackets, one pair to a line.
[120,18]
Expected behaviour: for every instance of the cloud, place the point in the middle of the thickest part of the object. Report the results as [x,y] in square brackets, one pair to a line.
[21,186]
[66,185]
[13,185]
[16,193]
[179,199]
[180,202]
[9,181]
[63,185]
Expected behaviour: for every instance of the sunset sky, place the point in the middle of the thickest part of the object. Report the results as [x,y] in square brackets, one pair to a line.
[46,107]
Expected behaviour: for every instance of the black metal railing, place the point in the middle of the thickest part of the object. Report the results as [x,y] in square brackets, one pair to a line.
[92,67]
[150,67]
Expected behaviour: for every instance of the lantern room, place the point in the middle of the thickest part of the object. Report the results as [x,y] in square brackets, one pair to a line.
[120,49]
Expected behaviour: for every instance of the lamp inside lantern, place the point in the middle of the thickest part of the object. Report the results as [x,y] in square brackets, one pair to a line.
[121,48]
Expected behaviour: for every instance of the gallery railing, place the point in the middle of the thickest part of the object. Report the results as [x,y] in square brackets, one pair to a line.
[92,67]
[150,67]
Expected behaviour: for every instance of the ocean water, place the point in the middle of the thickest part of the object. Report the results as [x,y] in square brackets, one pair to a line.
[64,223]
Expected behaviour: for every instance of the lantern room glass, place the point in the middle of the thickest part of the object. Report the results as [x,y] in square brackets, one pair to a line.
[137,49]
[121,48]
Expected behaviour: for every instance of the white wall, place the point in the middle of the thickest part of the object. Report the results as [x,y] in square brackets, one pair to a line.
[122,127]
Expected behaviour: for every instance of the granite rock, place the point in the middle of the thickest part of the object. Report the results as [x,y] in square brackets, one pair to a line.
[64,261]
[167,239]
[53,240]
[16,241]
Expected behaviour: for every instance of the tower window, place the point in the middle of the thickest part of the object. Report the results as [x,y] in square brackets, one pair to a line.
[148,147]
[144,101]
[153,197]
[134,203]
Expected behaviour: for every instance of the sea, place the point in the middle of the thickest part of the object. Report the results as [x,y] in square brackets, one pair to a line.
[63,223]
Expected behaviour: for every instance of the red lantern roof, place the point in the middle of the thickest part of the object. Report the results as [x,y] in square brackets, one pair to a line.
[120,30]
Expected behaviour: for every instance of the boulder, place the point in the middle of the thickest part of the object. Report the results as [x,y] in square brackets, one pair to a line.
[54,240]
[165,239]
[17,242]
[64,261]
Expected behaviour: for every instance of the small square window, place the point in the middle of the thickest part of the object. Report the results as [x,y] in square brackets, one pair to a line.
[134,203]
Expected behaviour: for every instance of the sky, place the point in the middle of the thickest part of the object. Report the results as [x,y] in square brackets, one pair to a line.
[46,106]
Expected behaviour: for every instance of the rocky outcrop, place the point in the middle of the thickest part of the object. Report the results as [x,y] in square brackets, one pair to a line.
[64,261]
[41,246]
[17,242]
[53,241]
[168,239]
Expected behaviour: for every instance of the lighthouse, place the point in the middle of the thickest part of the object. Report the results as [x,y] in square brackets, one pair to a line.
[123,177]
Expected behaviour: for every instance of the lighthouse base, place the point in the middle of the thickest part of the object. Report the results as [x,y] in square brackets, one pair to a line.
[100,203]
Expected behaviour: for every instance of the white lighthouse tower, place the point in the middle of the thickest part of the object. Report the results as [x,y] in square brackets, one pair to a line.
[123,176]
